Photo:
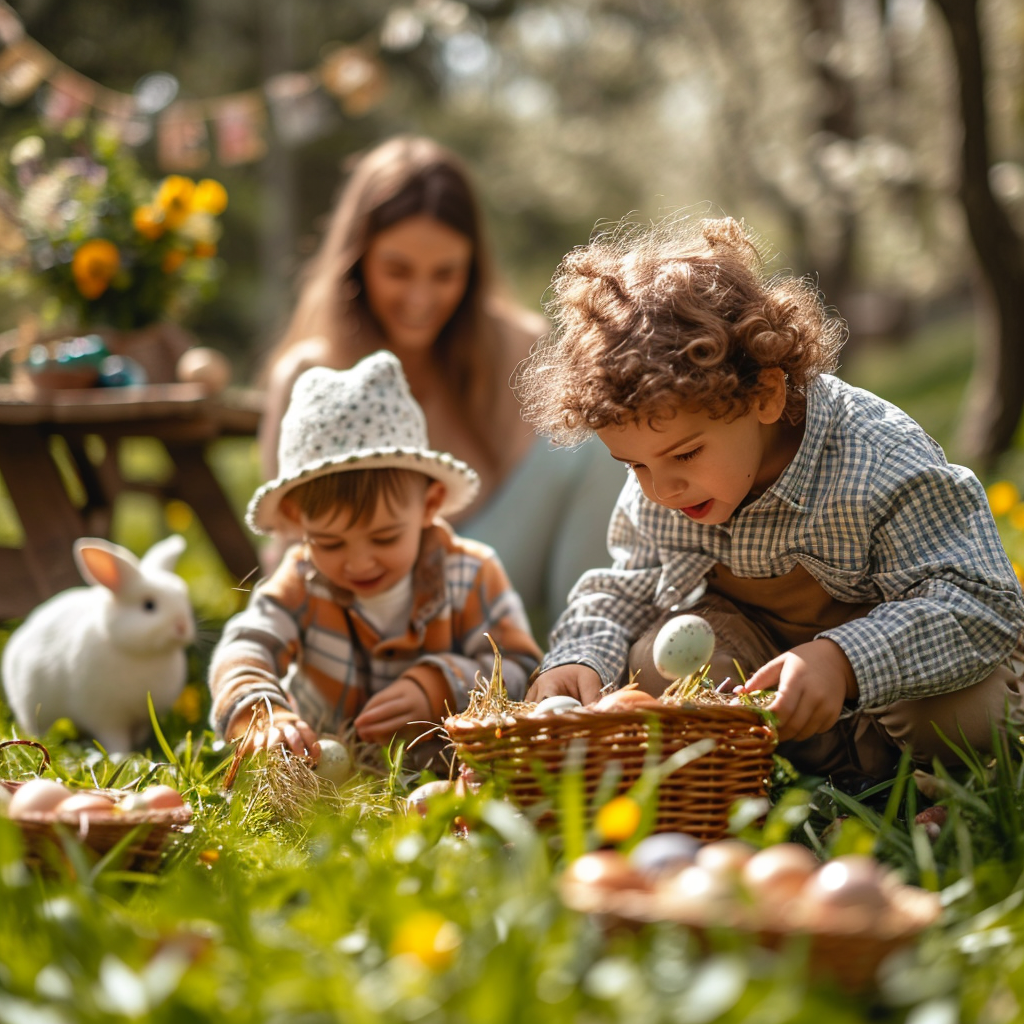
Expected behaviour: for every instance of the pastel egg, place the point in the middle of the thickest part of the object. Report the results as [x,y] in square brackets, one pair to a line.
[86,803]
[683,646]
[39,796]
[664,853]
[160,798]
[556,705]
[334,765]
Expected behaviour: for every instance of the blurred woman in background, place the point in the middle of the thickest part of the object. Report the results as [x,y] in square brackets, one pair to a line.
[404,265]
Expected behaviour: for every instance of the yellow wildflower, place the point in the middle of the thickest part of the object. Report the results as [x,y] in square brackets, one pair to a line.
[210,197]
[189,704]
[174,198]
[429,937]
[618,819]
[173,260]
[148,222]
[1002,496]
[178,516]
[94,265]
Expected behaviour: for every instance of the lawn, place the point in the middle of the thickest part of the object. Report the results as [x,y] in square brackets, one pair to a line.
[349,909]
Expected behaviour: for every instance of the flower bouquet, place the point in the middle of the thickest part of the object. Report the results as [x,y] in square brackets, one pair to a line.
[88,242]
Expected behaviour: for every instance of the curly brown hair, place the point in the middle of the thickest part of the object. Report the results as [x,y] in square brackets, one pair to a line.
[646,316]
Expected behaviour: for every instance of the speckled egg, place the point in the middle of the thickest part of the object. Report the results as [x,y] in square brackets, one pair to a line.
[683,646]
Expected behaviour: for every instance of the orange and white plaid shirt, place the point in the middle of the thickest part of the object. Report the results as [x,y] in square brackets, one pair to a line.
[301,642]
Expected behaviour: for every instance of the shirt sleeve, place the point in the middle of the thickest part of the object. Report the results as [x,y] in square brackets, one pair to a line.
[254,653]
[952,607]
[609,609]
[492,607]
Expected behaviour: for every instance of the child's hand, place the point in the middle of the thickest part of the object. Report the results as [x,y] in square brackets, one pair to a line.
[284,729]
[813,680]
[389,712]
[577,681]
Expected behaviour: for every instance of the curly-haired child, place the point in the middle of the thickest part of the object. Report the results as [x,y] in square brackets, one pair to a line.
[847,564]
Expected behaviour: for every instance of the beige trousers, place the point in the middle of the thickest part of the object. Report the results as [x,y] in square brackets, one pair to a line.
[867,744]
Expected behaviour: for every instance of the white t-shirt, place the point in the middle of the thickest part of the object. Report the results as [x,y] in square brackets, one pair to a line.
[389,611]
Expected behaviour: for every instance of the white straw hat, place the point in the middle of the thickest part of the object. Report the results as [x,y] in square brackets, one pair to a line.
[363,418]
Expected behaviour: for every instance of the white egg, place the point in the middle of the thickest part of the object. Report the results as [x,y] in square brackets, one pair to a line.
[683,645]
[556,705]
[37,796]
[206,366]
[334,765]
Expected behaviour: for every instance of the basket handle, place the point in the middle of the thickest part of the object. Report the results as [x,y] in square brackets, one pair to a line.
[44,764]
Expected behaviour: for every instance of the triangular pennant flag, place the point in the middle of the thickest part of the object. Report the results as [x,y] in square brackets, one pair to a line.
[299,110]
[182,139]
[240,123]
[23,66]
[11,28]
[355,77]
[69,97]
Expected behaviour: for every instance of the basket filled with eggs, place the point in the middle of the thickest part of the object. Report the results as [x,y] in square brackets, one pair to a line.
[705,749]
[850,912]
[46,810]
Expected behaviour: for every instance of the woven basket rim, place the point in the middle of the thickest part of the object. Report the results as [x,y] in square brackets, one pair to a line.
[586,715]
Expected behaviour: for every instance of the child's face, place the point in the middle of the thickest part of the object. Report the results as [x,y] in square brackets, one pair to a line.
[372,555]
[705,467]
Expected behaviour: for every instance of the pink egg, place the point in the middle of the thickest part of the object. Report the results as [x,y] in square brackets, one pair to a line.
[776,873]
[40,796]
[86,803]
[724,857]
[160,798]
[419,798]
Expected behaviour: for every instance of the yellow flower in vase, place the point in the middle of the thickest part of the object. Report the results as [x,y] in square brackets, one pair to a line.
[174,199]
[148,222]
[173,260]
[94,265]
[210,197]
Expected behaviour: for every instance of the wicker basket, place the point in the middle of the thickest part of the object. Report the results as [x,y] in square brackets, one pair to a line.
[98,831]
[525,752]
[849,951]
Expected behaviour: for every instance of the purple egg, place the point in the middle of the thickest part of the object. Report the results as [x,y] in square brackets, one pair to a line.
[664,853]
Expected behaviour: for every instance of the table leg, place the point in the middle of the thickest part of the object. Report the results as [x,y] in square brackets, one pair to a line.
[195,484]
[50,522]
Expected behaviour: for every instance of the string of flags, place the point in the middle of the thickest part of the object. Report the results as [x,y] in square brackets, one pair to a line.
[297,106]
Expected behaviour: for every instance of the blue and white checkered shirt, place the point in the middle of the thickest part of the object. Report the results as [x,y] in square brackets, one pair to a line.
[872,510]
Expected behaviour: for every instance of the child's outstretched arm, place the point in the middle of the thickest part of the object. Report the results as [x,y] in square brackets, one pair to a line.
[812,681]
[280,728]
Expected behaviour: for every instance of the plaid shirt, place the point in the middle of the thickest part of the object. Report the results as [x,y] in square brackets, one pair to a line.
[300,637]
[872,510]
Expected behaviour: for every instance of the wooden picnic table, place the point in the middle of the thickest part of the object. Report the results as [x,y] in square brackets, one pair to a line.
[184,417]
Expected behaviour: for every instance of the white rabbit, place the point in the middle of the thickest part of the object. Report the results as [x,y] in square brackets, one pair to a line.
[92,654]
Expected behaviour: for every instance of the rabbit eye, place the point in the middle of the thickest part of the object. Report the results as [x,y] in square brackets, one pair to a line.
[149,605]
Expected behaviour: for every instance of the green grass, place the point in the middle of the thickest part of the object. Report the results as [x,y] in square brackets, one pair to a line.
[359,912]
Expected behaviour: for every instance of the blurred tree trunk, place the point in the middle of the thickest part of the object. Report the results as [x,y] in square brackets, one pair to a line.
[996,391]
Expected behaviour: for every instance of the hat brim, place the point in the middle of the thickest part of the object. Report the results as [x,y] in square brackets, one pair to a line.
[461,482]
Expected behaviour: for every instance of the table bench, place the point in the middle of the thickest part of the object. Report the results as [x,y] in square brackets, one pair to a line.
[185,418]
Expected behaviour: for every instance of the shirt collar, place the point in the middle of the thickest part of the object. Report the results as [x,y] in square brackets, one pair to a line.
[794,486]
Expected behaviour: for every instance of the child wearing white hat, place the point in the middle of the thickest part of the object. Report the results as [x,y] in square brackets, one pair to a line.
[378,616]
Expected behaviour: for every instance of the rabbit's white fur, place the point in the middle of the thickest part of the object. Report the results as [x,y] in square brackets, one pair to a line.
[92,654]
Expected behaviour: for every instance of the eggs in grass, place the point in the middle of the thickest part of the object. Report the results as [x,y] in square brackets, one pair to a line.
[783,886]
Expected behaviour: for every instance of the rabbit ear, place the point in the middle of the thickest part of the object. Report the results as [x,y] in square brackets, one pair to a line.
[109,565]
[164,553]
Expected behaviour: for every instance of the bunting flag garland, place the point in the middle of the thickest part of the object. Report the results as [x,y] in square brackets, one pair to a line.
[299,106]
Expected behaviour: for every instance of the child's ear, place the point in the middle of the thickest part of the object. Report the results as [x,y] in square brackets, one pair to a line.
[290,510]
[772,401]
[436,493]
